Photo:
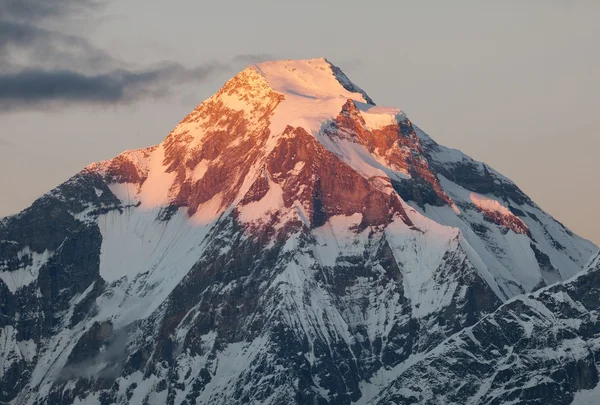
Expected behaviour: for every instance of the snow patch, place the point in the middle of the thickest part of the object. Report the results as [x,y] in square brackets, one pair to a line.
[377,117]
[587,397]
[149,257]
[154,192]
[297,168]
[360,159]
[235,360]
[18,278]
[127,193]
[420,254]
[313,94]
[200,170]
[13,350]
[260,210]
[489,204]
[338,236]
[209,211]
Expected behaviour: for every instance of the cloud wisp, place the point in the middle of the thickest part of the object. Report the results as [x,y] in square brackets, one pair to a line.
[6,144]
[34,88]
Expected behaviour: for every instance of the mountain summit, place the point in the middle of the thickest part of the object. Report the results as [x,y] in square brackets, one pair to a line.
[288,242]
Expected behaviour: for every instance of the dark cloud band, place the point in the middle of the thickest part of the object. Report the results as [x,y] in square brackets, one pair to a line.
[63,68]
[34,87]
[30,86]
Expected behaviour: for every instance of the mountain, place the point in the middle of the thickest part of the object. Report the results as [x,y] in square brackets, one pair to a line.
[290,242]
[538,348]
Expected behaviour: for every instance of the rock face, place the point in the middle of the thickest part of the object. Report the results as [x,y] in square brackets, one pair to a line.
[291,242]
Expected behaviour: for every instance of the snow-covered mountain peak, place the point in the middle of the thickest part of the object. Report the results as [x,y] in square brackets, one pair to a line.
[287,242]
[311,92]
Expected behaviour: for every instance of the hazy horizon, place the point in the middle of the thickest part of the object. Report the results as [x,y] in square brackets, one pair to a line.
[513,85]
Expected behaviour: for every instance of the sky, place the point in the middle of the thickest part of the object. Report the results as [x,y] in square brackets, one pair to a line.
[515,84]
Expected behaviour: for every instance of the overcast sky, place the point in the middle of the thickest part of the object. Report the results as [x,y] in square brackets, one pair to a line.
[515,84]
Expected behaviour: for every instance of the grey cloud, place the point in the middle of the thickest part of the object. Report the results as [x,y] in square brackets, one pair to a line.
[351,64]
[40,67]
[250,59]
[49,48]
[60,68]
[33,88]
[35,10]
[4,143]
[17,33]
[27,43]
